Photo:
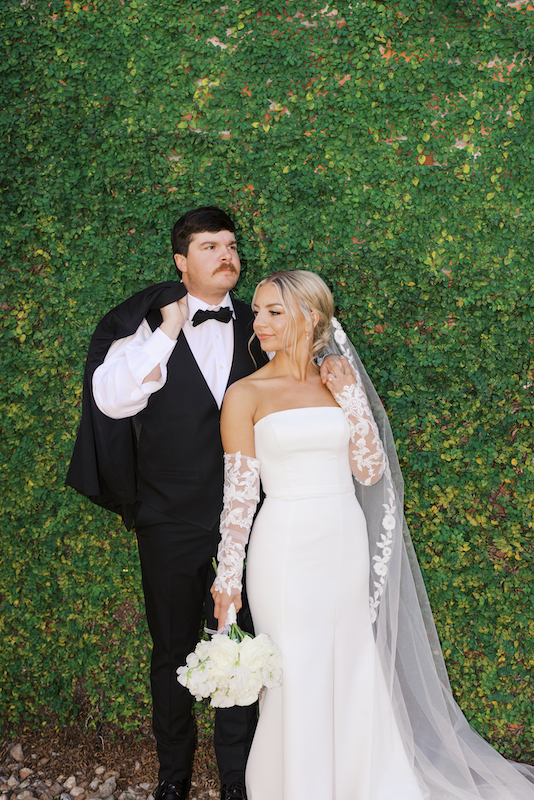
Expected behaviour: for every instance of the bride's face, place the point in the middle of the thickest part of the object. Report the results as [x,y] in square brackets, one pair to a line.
[271,320]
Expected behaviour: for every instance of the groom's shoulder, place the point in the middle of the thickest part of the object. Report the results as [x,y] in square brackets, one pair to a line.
[241,308]
[125,318]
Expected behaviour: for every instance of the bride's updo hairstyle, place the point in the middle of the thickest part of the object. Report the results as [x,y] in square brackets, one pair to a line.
[304,292]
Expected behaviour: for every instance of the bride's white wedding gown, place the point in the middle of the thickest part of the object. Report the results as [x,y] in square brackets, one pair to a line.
[329,732]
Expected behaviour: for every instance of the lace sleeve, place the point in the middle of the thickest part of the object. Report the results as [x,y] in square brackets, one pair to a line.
[240,498]
[367,457]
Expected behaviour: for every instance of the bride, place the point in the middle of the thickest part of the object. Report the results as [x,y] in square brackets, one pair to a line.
[365,711]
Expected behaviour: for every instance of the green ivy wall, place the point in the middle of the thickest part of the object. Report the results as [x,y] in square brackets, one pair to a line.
[388,146]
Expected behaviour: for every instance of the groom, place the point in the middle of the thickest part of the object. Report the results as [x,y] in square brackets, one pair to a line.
[149,443]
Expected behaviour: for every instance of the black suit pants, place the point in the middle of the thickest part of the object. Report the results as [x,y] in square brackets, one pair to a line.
[177,576]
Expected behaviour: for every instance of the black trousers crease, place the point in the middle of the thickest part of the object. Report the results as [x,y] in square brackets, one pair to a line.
[177,576]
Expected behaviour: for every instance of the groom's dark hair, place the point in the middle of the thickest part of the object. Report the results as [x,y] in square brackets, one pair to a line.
[198,220]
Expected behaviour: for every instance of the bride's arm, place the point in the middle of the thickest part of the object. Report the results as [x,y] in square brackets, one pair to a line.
[367,457]
[240,498]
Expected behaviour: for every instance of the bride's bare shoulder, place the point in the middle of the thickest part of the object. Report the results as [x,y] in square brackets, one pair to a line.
[249,385]
[245,393]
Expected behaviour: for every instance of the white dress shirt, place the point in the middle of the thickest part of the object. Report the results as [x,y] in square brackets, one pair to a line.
[118,386]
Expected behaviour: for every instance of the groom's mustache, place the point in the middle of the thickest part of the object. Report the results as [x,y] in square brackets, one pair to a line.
[225,267]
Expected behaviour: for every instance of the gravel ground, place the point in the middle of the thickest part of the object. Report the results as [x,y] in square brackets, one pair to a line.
[109,765]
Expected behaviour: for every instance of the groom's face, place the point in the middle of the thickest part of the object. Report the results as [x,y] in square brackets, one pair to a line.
[211,267]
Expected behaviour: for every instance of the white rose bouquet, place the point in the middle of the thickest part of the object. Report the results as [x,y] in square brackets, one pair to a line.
[232,667]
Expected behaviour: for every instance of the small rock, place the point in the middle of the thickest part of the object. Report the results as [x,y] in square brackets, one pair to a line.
[25,772]
[4,797]
[16,752]
[12,782]
[95,784]
[60,779]
[42,762]
[99,770]
[77,792]
[4,787]
[84,784]
[24,795]
[25,784]
[56,789]
[107,788]
[46,795]
[70,783]
[137,766]
[65,796]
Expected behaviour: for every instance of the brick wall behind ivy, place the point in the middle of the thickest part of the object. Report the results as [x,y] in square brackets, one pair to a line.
[388,146]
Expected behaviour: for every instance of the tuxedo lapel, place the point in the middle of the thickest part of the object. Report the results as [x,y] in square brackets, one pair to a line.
[241,362]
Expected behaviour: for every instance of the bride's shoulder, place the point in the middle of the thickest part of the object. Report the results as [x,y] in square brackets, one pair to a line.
[250,383]
[245,392]
[239,392]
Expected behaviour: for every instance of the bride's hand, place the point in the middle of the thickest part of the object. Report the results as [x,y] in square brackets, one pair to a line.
[222,601]
[338,375]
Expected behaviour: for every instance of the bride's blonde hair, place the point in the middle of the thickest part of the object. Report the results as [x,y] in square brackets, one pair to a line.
[306,292]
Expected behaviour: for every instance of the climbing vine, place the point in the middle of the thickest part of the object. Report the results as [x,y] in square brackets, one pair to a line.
[388,146]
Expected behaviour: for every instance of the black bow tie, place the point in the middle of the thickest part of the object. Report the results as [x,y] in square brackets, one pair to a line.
[222,315]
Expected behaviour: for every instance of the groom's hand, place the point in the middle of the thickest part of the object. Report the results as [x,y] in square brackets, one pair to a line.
[222,601]
[174,315]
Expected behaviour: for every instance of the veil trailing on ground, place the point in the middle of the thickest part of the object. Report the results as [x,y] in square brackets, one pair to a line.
[451,761]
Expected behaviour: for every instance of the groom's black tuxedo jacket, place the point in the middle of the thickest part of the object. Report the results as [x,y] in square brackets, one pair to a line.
[169,455]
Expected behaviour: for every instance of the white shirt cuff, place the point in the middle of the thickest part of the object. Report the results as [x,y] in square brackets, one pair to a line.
[141,360]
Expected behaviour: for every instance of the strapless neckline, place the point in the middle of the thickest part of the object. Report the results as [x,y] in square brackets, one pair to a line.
[298,408]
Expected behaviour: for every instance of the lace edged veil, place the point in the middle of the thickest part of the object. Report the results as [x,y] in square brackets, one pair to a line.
[449,759]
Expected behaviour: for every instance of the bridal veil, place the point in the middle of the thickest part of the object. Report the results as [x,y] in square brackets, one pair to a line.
[451,761]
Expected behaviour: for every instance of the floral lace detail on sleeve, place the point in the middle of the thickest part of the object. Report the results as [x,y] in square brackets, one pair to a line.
[240,498]
[367,457]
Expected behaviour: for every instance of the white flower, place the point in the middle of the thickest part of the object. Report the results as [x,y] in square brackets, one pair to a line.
[380,565]
[388,522]
[224,652]
[254,652]
[339,334]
